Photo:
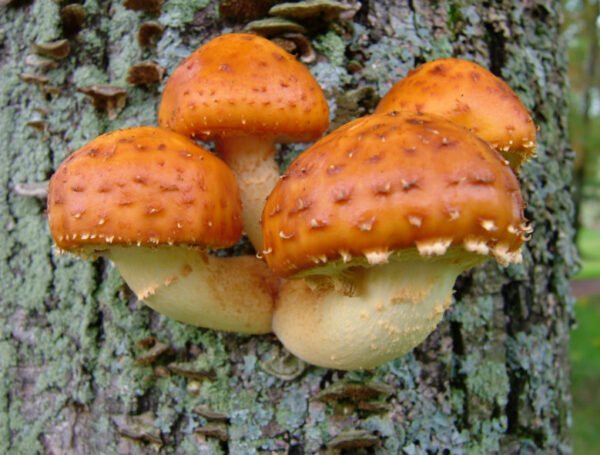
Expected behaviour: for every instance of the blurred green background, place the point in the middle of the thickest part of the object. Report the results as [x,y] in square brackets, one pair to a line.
[582,24]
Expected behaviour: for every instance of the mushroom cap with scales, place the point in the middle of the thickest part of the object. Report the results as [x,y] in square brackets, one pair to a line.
[471,96]
[390,182]
[243,84]
[143,186]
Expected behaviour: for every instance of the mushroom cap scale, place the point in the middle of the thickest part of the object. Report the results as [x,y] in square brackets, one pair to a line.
[390,182]
[242,84]
[143,186]
[471,96]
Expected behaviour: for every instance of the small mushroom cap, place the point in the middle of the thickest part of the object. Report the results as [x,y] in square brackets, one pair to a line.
[388,182]
[241,84]
[144,186]
[471,96]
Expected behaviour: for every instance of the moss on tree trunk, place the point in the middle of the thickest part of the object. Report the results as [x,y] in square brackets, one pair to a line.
[86,369]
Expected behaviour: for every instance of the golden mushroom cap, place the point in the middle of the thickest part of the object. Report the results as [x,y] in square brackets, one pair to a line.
[144,186]
[471,96]
[243,84]
[389,182]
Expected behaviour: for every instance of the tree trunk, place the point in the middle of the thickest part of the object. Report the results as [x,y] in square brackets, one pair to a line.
[85,368]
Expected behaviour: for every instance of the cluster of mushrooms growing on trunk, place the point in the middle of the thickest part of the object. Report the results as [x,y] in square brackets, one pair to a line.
[359,242]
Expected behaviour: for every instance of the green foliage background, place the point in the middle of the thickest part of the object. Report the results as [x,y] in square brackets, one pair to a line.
[582,23]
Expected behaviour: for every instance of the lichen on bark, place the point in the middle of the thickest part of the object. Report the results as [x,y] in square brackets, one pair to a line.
[490,379]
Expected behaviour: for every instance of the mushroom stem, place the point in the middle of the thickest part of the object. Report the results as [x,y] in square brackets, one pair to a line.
[234,294]
[252,160]
[391,309]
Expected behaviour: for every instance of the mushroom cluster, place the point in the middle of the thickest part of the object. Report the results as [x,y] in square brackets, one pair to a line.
[358,243]
[154,202]
[373,223]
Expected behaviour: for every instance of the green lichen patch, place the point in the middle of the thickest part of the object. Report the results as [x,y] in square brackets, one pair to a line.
[178,13]
[488,381]
[332,46]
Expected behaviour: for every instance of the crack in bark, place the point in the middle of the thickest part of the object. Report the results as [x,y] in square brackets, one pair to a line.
[496,43]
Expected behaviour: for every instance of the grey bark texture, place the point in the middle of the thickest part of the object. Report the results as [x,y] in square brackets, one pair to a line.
[84,368]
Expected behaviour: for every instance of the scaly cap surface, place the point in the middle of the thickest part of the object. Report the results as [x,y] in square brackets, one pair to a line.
[471,96]
[388,182]
[242,84]
[144,186]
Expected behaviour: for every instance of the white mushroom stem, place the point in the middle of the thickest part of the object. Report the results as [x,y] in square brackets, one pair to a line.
[392,308]
[252,159]
[234,294]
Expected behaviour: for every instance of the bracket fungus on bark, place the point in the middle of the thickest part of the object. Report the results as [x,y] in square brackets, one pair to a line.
[145,73]
[313,10]
[73,18]
[41,63]
[57,50]
[146,6]
[374,223]
[297,44]
[108,98]
[472,97]
[36,79]
[246,94]
[273,26]
[154,203]
[149,33]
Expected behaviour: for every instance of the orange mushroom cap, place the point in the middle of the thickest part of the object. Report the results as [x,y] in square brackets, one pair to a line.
[388,182]
[144,186]
[471,96]
[241,84]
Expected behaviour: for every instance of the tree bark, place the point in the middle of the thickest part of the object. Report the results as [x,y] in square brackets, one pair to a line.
[87,369]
